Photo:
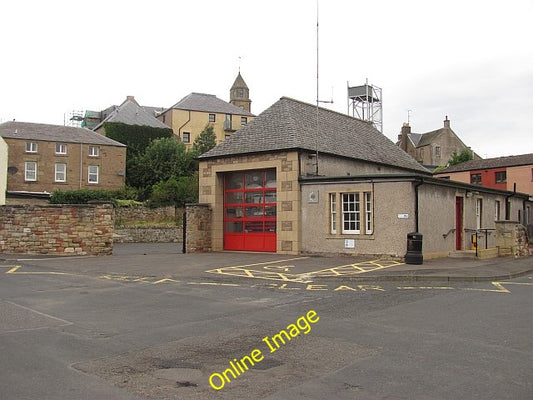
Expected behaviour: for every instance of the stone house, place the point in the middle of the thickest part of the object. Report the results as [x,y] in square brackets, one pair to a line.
[43,158]
[189,116]
[432,149]
[293,183]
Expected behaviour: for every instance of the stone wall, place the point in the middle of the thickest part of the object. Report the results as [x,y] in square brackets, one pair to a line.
[511,239]
[198,228]
[57,229]
[131,215]
[148,234]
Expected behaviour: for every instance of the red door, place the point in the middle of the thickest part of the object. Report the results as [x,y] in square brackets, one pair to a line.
[250,210]
[458,223]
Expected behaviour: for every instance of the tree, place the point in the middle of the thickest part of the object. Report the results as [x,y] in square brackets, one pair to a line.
[164,158]
[465,155]
[205,141]
[175,192]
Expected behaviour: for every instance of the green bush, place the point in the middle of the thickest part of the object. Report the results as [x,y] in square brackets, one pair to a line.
[84,196]
[174,192]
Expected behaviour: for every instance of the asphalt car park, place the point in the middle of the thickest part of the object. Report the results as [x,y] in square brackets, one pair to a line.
[152,323]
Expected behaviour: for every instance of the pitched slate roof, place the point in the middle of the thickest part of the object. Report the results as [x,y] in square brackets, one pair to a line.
[291,124]
[54,133]
[131,113]
[208,103]
[488,163]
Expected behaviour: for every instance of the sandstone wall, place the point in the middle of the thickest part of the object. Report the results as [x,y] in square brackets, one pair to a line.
[57,229]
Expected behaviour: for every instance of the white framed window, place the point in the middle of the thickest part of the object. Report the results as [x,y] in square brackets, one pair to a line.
[479,213]
[186,137]
[60,172]
[212,117]
[333,212]
[92,176]
[31,147]
[94,151]
[351,213]
[61,148]
[368,213]
[30,171]
[244,121]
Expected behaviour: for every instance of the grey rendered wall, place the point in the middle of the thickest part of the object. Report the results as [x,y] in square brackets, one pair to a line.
[393,219]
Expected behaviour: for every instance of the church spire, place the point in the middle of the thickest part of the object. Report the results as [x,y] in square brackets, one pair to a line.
[240,94]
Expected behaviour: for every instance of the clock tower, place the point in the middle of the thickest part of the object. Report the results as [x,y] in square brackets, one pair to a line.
[239,94]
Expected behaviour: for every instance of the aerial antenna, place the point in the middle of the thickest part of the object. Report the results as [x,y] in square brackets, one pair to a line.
[318,101]
[409,115]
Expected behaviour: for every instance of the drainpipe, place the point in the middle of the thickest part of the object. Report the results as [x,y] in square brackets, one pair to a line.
[81,165]
[417,185]
[186,122]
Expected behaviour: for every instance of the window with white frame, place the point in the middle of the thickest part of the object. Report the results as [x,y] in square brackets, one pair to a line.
[94,151]
[351,213]
[31,147]
[60,172]
[479,213]
[212,117]
[61,148]
[30,171]
[368,213]
[333,212]
[93,174]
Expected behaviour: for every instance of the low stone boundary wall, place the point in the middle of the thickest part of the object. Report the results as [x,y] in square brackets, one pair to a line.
[148,234]
[57,229]
[511,239]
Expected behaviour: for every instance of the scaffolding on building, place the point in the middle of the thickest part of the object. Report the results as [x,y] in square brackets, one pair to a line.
[74,118]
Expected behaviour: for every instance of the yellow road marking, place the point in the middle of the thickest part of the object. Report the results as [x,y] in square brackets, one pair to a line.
[15,270]
[213,284]
[269,271]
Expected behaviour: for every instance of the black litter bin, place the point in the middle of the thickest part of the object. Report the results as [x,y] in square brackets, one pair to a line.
[414,249]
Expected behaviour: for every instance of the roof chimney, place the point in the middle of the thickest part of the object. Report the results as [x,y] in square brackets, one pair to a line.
[132,99]
[447,122]
[403,136]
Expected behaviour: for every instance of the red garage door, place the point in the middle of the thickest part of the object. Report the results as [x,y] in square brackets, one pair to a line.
[250,210]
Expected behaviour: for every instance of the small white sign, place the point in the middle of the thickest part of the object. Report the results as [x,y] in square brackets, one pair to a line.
[349,243]
[403,216]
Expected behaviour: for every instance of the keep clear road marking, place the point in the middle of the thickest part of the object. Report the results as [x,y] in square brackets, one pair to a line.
[500,286]
[281,272]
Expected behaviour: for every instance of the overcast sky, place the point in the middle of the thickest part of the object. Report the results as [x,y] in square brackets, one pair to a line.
[470,60]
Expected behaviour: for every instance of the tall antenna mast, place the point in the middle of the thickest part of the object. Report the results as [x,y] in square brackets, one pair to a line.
[318,101]
[317,94]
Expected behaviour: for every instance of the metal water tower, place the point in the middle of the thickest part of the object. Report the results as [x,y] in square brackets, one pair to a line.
[365,102]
